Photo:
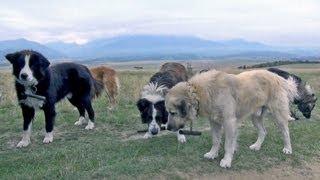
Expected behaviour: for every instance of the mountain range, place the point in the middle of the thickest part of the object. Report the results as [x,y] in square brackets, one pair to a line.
[156,47]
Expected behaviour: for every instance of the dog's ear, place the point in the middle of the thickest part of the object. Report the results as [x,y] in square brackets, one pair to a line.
[142,104]
[44,62]
[12,57]
[183,108]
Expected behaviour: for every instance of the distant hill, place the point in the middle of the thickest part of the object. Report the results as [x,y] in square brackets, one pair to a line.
[62,47]
[158,47]
[20,44]
[149,46]
[268,55]
[278,63]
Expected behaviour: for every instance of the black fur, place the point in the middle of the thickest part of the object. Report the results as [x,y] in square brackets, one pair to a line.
[305,101]
[169,75]
[54,83]
[145,107]
[183,108]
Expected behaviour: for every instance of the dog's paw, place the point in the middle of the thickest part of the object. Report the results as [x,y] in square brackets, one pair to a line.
[210,155]
[287,150]
[225,163]
[82,120]
[90,125]
[23,143]
[48,138]
[292,118]
[255,147]
[111,108]
[182,138]
[147,135]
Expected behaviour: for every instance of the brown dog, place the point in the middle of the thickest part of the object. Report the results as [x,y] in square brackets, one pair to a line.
[108,77]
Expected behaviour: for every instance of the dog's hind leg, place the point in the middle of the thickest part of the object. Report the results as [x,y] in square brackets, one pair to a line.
[111,87]
[216,140]
[82,111]
[281,117]
[230,127]
[257,120]
[88,106]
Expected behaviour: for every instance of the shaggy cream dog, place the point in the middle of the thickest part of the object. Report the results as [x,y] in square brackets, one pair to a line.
[226,99]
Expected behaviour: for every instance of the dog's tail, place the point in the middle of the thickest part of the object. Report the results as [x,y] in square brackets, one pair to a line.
[97,88]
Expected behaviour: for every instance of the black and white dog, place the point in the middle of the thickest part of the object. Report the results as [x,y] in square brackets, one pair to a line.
[34,78]
[306,98]
[151,103]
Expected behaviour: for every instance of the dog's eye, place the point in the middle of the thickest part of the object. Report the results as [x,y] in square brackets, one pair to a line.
[172,113]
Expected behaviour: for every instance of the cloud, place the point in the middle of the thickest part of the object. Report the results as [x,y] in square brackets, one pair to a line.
[281,22]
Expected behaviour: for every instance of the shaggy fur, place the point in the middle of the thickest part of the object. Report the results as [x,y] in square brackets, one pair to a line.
[108,77]
[151,102]
[226,99]
[306,98]
[34,76]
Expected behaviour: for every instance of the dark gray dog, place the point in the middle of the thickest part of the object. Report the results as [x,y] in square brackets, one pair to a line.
[306,100]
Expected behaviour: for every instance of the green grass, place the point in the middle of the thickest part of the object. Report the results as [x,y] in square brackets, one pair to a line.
[108,152]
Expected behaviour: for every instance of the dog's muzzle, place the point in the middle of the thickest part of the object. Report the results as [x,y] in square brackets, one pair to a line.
[307,115]
[154,131]
[173,128]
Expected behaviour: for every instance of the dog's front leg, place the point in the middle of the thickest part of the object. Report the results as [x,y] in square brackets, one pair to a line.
[181,138]
[28,115]
[293,116]
[216,140]
[50,114]
[230,127]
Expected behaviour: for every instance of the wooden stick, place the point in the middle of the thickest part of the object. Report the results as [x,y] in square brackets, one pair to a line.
[192,133]
[185,132]
[36,96]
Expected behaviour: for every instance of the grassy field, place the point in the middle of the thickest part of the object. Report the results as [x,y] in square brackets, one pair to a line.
[113,150]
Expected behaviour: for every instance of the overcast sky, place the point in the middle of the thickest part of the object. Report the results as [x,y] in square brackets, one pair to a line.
[277,22]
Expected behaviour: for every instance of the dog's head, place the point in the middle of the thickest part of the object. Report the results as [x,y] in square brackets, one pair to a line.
[179,105]
[28,66]
[152,108]
[307,101]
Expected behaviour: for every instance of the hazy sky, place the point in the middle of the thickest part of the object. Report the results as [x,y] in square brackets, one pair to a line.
[280,22]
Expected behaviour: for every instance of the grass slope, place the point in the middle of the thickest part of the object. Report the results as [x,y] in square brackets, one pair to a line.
[108,152]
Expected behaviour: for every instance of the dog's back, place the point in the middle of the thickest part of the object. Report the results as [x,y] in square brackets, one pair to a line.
[169,75]
[250,90]
[266,80]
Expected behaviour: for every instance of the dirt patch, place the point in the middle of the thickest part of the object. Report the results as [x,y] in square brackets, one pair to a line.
[128,136]
[306,171]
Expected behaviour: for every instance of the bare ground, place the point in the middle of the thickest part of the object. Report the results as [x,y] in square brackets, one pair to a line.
[309,170]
